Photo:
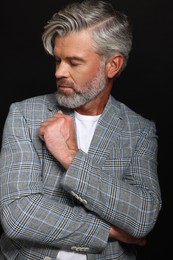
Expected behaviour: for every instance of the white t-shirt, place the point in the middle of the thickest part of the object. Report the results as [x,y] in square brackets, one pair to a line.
[85,127]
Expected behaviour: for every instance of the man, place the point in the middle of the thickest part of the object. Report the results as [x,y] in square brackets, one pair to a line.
[78,169]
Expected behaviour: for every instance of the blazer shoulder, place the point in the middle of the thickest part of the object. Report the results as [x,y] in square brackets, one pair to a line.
[37,102]
[129,115]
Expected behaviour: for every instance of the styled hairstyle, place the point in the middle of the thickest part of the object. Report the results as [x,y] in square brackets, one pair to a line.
[110,29]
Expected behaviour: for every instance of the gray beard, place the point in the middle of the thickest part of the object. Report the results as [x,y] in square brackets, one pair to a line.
[89,91]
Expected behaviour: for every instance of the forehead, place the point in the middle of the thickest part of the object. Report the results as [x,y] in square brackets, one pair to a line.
[76,42]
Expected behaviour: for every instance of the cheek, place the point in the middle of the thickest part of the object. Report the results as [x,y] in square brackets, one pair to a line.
[86,75]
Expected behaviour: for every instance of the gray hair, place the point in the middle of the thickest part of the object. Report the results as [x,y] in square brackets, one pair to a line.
[109,28]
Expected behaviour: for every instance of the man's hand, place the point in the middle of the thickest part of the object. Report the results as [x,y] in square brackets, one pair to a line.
[123,236]
[58,133]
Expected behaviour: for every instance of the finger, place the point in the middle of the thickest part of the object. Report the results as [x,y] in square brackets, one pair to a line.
[60,112]
[58,115]
[41,133]
[142,242]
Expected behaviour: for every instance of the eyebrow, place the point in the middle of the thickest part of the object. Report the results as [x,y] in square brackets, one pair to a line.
[75,58]
[70,58]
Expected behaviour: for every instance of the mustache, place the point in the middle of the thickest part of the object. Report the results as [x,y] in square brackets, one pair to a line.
[66,83]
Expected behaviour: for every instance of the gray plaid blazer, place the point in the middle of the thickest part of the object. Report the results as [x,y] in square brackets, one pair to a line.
[44,208]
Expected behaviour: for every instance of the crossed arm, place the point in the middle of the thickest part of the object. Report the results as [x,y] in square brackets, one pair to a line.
[59,132]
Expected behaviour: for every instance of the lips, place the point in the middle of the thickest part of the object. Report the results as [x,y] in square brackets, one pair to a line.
[64,86]
[66,90]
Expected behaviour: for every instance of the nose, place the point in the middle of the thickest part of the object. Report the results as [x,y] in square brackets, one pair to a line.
[61,70]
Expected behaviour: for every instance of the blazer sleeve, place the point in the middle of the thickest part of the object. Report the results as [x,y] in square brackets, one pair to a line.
[124,188]
[27,213]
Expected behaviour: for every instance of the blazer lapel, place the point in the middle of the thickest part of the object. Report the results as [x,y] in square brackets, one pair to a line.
[107,132]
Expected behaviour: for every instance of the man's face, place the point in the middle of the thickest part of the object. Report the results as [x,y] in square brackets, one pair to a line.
[79,72]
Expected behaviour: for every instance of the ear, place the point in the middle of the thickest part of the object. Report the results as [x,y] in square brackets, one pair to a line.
[114,64]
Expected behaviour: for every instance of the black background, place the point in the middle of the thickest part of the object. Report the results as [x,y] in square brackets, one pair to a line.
[145,85]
